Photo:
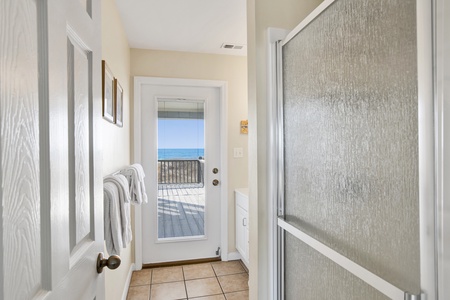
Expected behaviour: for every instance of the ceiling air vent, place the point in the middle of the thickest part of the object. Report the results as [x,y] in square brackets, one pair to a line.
[231,46]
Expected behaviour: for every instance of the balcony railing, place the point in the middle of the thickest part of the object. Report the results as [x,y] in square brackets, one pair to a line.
[177,171]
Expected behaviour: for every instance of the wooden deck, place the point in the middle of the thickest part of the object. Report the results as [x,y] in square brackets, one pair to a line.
[181,210]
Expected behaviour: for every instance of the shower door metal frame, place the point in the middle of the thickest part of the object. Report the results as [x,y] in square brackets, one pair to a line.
[441,13]
[427,168]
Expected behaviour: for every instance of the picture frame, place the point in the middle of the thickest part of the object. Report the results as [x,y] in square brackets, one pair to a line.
[118,103]
[108,109]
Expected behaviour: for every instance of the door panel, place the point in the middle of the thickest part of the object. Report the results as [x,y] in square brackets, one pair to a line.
[51,196]
[78,66]
[199,245]
[20,170]
[79,148]
[351,148]
[87,5]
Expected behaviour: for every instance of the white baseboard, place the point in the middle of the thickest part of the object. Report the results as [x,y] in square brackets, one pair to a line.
[127,283]
[234,256]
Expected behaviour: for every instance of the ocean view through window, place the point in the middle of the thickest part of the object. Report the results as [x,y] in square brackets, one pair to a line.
[181,157]
[181,153]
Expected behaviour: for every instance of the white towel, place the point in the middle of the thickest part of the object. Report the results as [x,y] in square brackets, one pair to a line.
[112,224]
[137,184]
[124,203]
[122,182]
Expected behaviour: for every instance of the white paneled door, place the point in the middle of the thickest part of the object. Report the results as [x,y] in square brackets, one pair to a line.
[180,150]
[51,229]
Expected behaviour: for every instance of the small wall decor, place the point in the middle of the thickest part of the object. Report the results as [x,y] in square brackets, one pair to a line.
[244,126]
[118,103]
[107,93]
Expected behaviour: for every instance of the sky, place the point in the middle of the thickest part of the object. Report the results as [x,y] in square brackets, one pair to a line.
[180,133]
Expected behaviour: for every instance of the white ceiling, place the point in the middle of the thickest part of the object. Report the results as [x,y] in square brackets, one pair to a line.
[185,25]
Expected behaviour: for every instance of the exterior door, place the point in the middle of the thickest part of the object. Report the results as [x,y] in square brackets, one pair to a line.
[356,195]
[51,229]
[180,136]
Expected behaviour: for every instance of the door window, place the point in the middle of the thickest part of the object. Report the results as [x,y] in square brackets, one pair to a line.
[181,159]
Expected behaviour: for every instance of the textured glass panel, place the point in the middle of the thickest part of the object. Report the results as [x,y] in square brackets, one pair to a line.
[351,135]
[312,276]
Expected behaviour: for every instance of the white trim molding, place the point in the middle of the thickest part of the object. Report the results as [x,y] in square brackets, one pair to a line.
[234,256]
[128,281]
[273,36]
[139,81]
[427,162]
[441,17]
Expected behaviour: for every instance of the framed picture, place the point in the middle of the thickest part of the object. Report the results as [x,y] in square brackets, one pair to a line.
[107,93]
[118,103]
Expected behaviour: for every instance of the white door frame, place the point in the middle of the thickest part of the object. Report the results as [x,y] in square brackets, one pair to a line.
[140,81]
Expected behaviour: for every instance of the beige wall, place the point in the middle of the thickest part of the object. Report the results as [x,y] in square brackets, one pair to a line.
[261,15]
[116,140]
[232,69]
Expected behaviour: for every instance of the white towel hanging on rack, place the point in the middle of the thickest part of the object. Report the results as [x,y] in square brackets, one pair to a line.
[124,204]
[112,221]
[135,175]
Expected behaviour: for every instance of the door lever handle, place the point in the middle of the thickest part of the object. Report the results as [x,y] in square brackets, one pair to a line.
[113,262]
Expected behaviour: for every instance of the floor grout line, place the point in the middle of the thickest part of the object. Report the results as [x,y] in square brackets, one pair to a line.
[216,276]
[184,281]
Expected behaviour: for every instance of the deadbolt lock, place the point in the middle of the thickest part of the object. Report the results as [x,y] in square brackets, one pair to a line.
[215,170]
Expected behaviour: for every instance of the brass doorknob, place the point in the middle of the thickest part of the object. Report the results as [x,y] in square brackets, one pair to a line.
[113,262]
[215,182]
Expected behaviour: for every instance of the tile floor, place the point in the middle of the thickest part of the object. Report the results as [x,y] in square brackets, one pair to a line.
[207,281]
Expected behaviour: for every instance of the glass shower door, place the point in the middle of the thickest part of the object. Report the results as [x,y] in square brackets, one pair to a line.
[351,199]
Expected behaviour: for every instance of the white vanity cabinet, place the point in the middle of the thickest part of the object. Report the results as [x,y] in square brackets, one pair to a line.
[242,230]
